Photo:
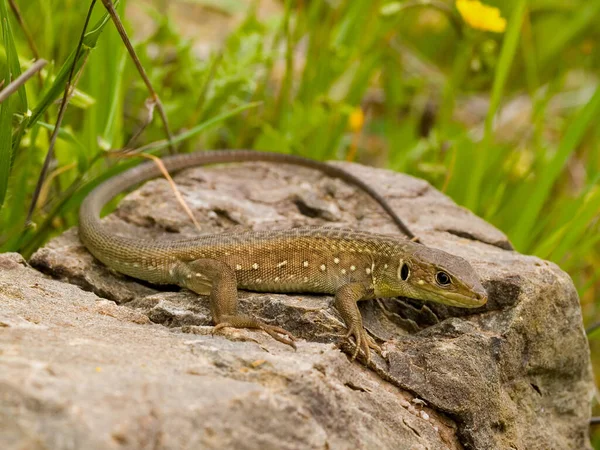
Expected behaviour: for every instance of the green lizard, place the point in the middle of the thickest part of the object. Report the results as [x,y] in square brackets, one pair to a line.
[352,265]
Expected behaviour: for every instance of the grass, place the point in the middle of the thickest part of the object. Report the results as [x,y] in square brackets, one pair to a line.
[290,84]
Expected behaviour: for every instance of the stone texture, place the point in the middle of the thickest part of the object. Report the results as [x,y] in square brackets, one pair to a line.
[133,366]
[80,372]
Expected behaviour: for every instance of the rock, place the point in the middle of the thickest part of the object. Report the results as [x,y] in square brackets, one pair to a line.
[79,371]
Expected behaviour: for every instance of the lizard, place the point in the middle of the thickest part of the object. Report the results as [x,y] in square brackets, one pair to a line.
[351,265]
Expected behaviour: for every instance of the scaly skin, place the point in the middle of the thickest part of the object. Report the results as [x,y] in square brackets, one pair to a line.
[352,265]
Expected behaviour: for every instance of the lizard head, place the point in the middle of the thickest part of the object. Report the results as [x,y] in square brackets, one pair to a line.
[434,275]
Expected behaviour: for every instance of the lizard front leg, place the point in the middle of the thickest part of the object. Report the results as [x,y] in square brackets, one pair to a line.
[213,277]
[345,302]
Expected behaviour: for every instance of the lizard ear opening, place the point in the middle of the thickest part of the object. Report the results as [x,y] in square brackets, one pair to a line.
[403,271]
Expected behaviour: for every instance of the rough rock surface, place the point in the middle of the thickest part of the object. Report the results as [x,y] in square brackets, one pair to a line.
[131,366]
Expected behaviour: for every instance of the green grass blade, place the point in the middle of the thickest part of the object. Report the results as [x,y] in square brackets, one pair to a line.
[199,128]
[32,241]
[541,192]
[109,135]
[12,58]
[507,56]
[569,236]
[10,105]
[585,14]
[68,136]
[57,88]
[6,113]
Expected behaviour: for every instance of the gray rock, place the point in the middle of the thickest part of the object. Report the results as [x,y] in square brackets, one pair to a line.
[139,367]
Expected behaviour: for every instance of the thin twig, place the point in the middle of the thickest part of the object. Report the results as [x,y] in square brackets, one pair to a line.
[26,32]
[34,51]
[150,104]
[30,41]
[78,75]
[44,192]
[121,29]
[593,327]
[178,195]
[32,241]
[22,79]
[168,177]
[61,113]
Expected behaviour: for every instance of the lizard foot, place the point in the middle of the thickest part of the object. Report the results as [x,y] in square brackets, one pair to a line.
[363,342]
[277,333]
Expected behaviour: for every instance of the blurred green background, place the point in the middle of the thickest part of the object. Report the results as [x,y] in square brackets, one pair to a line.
[497,108]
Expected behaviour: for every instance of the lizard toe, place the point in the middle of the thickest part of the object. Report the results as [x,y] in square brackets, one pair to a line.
[277,333]
[361,342]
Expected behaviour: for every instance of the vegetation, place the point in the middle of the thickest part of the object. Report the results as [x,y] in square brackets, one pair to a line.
[496,107]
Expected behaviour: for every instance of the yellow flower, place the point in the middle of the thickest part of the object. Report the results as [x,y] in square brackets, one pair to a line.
[480,16]
[356,119]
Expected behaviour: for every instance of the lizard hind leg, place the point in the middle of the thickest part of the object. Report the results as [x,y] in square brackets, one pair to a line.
[216,279]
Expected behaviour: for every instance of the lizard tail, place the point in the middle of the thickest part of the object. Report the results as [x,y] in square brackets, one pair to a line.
[89,213]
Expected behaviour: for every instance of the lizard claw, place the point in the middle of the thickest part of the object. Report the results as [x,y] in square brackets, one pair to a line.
[275,332]
[362,341]
[220,326]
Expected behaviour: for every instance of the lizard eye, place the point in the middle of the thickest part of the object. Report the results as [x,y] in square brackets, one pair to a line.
[404,272]
[442,278]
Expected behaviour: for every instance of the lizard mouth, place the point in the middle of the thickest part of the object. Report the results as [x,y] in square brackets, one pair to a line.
[474,300]
[465,301]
